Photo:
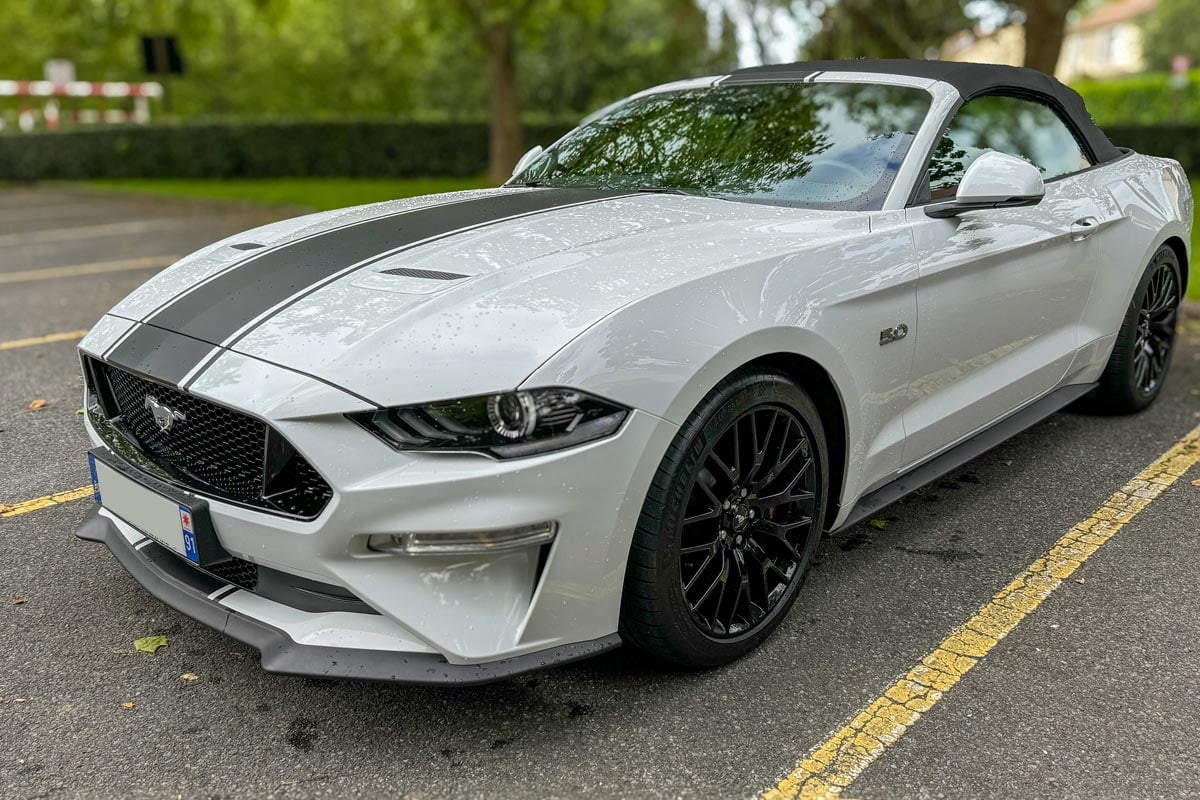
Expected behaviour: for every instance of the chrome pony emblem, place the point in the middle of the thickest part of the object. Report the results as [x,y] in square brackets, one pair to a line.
[164,416]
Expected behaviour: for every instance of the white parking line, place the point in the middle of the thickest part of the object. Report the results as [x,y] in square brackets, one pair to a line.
[91,231]
[93,268]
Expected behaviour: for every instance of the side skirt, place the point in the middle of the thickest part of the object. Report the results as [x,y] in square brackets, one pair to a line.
[960,454]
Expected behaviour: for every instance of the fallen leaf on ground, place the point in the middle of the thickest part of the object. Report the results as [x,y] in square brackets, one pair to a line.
[1079,580]
[189,677]
[1195,483]
[37,405]
[149,644]
[20,601]
[127,705]
[79,411]
[18,699]
[879,523]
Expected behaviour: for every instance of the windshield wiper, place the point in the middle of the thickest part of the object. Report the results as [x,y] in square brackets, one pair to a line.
[662,190]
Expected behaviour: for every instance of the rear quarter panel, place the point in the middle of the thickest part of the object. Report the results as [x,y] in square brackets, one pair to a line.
[1146,201]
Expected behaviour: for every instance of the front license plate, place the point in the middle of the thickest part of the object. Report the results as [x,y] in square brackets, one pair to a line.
[180,526]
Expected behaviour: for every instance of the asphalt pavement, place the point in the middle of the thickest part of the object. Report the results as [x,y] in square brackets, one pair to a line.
[1094,694]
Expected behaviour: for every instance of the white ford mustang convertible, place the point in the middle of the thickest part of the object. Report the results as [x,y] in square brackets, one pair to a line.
[619,399]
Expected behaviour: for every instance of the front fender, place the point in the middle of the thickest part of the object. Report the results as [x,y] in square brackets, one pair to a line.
[664,353]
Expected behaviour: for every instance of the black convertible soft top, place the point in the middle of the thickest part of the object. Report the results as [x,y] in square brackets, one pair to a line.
[968,78]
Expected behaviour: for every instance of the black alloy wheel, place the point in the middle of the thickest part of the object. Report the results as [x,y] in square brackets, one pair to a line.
[1156,328]
[1141,354]
[730,523]
[748,515]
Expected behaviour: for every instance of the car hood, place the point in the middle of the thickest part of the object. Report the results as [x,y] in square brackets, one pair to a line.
[456,294]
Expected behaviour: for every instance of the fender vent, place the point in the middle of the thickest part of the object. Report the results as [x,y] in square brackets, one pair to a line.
[427,274]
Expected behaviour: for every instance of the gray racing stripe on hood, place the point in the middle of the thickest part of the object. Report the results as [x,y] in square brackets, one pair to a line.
[214,311]
[160,354]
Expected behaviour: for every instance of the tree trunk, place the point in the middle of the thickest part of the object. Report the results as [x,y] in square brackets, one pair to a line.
[504,146]
[1045,24]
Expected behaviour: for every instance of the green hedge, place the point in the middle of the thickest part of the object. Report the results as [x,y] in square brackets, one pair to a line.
[1142,100]
[370,148]
[1180,142]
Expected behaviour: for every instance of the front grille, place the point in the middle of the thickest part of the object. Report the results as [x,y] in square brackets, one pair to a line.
[237,571]
[210,448]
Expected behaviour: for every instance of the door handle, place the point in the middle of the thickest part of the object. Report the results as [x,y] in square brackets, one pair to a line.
[1084,227]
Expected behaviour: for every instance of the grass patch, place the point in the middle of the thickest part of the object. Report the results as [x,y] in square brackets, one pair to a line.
[317,194]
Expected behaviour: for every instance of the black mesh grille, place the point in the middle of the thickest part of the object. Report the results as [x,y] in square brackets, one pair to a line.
[236,571]
[214,449]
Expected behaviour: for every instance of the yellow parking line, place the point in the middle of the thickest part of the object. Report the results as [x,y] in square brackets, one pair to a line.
[94,268]
[26,506]
[835,763]
[66,336]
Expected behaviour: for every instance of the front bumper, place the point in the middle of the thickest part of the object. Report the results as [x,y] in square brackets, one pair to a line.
[464,610]
[197,595]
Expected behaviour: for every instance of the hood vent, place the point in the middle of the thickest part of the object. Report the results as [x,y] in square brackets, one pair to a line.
[427,274]
[247,246]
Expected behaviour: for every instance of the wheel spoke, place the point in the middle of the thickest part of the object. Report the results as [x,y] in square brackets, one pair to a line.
[704,486]
[785,458]
[1164,325]
[711,513]
[728,471]
[687,587]
[717,581]
[741,582]
[736,431]
[760,448]
[1141,367]
[724,580]
[785,496]
[781,529]
[777,532]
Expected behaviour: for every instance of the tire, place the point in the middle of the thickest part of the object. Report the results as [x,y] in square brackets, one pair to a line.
[1141,356]
[763,550]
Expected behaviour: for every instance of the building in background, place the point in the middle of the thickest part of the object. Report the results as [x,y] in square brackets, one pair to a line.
[1002,46]
[1105,43]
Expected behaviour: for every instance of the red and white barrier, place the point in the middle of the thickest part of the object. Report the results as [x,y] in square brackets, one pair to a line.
[141,94]
[149,89]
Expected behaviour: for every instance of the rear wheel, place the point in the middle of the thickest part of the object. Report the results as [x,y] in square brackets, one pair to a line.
[1141,355]
[730,523]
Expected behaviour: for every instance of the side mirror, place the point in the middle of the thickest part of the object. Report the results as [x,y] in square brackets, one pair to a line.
[530,156]
[994,180]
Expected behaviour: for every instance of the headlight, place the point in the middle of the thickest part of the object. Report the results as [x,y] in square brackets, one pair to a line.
[506,425]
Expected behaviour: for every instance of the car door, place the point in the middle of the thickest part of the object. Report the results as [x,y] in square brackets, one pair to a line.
[1001,291]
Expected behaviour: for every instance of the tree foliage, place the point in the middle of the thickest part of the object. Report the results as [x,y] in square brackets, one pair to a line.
[326,59]
[313,58]
[1171,30]
[895,29]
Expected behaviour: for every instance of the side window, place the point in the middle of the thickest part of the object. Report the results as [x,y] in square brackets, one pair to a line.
[1021,128]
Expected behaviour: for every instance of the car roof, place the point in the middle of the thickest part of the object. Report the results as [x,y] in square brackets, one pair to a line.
[969,79]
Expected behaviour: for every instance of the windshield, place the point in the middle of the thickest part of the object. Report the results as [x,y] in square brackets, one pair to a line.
[833,145]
